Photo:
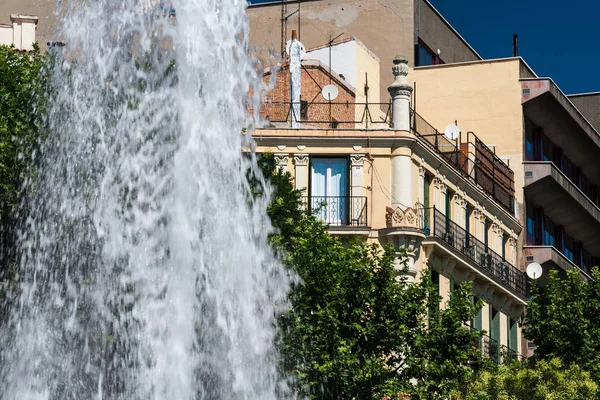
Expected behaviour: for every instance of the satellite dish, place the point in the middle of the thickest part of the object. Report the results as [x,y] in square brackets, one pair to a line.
[329,92]
[451,132]
[302,49]
[534,270]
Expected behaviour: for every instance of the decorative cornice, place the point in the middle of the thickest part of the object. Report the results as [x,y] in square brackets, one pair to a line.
[357,160]
[301,159]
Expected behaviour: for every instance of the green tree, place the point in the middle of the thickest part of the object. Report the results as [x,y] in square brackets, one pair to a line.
[563,320]
[356,327]
[22,80]
[545,380]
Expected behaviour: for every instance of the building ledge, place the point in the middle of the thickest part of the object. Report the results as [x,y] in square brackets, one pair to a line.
[349,230]
[550,258]
[563,202]
[549,108]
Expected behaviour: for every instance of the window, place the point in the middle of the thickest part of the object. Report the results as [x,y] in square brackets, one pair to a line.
[529,141]
[569,247]
[329,189]
[303,109]
[513,337]
[477,321]
[425,56]
[532,224]
[549,233]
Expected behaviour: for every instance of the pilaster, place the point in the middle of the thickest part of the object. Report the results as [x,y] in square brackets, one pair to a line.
[301,175]
[281,160]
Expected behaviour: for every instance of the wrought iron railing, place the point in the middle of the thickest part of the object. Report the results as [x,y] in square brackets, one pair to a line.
[340,115]
[486,260]
[499,354]
[473,159]
[339,210]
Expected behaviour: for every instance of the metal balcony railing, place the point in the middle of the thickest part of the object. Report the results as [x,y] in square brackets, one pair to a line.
[486,260]
[340,115]
[473,159]
[339,210]
[496,352]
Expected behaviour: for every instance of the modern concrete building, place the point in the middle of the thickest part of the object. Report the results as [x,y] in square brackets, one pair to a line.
[413,28]
[20,32]
[551,146]
[390,183]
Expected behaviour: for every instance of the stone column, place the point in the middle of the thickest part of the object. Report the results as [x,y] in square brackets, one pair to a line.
[402,195]
[281,160]
[400,90]
[301,176]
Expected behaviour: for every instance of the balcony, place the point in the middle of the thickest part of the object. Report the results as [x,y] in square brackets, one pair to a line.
[496,352]
[339,211]
[473,159]
[480,256]
[563,202]
[328,115]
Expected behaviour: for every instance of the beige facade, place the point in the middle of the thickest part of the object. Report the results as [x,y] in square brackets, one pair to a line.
[552,146]
[43,9]
[20,33]
[391,186]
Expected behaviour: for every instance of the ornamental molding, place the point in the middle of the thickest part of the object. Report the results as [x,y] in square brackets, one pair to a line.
[301,159]
[409,217]
[357,160]
[282,159]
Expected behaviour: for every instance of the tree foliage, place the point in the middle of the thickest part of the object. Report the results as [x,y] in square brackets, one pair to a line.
[563,320]
[22,78]
[546,380]
[356,327]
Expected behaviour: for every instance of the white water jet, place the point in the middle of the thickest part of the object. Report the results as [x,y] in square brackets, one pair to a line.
[145,270]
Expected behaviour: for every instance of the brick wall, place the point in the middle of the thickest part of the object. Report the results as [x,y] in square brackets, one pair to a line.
[317,111]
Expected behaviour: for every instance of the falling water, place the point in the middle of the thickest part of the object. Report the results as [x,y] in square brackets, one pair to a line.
[145,270]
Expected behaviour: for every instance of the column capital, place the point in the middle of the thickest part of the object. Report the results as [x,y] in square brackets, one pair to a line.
[497,229]
[479,213]
[300,159]
[357,160]
[281,159]
[439,181]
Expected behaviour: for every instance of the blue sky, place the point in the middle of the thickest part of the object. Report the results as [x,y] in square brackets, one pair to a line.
[558,39]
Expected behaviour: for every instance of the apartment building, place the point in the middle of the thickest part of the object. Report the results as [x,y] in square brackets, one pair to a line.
[372,175]
[410,27]
[551,146]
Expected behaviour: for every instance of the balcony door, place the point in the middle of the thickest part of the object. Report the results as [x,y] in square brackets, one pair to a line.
[329,190]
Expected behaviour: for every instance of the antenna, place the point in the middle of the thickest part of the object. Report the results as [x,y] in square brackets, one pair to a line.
[452,132]
[329,92]
[534,270]
[283,26]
